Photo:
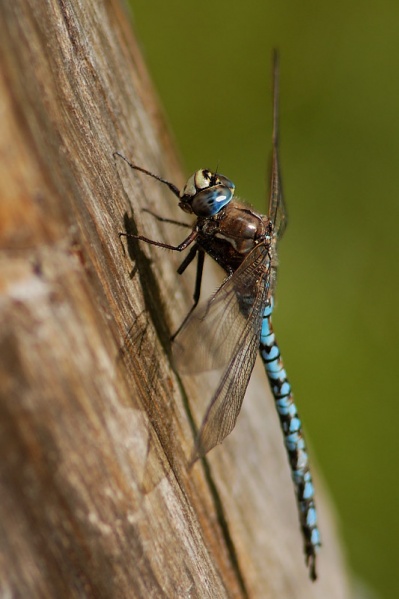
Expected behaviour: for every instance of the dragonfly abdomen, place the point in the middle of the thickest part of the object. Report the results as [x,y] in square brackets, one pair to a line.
[293,438]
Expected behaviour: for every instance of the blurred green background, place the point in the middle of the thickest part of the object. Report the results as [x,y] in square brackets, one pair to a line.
[338,289]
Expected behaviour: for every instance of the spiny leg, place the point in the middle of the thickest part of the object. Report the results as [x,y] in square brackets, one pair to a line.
[188,259]
[162,219]
[195,251]
[293,439]
[177,248]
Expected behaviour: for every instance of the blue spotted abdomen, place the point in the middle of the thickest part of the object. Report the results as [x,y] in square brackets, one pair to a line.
[293,438]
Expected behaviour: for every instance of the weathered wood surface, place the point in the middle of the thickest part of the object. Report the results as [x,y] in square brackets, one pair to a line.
[96,499]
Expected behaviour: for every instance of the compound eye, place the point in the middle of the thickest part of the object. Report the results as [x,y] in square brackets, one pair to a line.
[199,180]
[203,179]
[209,201]
[205,193]
[222,180]
[189,190]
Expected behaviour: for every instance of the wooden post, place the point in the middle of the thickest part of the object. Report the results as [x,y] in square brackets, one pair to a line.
[95,496]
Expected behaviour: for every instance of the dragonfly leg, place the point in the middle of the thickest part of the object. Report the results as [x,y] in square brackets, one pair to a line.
[167,220]
[178,248]
[293,439]
[195,250]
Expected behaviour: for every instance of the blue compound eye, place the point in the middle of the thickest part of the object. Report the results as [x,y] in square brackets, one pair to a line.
[205,193]
[209,201]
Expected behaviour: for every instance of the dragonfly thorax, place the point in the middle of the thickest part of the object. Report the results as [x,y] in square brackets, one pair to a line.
[230,235]
[205,193]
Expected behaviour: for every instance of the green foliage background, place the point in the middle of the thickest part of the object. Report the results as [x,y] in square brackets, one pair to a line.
[338,290]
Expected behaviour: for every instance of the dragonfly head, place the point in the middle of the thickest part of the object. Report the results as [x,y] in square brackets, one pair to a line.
[205,193]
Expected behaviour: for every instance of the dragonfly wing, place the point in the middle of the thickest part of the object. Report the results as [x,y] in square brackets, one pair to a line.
[223,410]
[231,319]
[210,337]
[207,338]
[277,210]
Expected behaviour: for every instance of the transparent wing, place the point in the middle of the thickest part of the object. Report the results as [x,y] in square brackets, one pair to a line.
[213,332]
[207,340]
[277,210]
[225,333]
[223,410]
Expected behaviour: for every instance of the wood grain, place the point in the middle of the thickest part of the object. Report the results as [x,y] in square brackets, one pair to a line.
[95,425]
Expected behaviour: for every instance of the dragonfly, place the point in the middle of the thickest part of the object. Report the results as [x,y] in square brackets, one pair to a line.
[236,321]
